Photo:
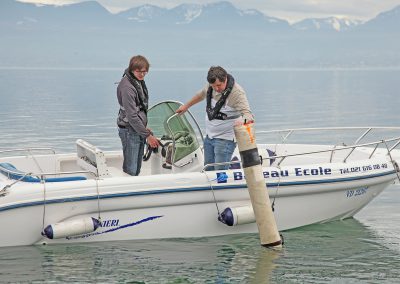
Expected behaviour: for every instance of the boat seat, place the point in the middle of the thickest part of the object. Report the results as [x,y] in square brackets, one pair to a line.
[91,158]
[12,172]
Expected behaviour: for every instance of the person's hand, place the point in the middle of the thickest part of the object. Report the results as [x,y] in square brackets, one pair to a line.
[182,109]
[248,119]
[153,141]
[248,122]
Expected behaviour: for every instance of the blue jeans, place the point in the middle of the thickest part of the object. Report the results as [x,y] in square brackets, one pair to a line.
[218,151]
[133,148]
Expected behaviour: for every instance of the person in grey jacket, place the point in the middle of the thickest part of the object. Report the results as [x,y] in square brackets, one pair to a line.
[226,104]
[133,99]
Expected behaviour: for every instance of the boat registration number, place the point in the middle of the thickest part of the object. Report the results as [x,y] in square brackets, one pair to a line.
[356,192]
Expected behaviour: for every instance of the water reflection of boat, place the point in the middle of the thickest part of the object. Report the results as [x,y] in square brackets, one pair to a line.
[346,247]
[85,196]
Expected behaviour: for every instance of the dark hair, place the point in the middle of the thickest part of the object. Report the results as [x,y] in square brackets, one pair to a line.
[138,62]
[216,72]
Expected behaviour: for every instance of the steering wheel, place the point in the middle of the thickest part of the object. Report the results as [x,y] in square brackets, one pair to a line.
[149,151]
[180,134]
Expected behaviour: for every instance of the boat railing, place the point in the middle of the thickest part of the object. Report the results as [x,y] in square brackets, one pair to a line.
[286,133]
[42,175]
[335,148]
[341,148]
[28,150]
[50,174]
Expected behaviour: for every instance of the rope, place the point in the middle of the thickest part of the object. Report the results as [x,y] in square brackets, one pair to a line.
[277,187]
[34,159]
[44,202]
[3,191]
[98,197]
[213,193]
[276,191]
[395,166]
[225,177]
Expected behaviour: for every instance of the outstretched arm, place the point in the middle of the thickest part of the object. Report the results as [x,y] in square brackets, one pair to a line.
[196,98]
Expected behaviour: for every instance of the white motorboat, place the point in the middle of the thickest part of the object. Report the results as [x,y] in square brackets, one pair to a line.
[86,197]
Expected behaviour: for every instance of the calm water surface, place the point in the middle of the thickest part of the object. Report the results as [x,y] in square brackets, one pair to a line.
[55,107]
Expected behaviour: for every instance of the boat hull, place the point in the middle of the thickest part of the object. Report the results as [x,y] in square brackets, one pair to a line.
[186,205]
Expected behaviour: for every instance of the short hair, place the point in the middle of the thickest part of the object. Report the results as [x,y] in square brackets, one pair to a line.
[138,62]
[216,72]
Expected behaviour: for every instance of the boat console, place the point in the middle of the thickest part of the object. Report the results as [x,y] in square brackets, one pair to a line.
[180,151]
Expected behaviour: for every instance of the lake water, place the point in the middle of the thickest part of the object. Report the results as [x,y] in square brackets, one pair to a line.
[54,107]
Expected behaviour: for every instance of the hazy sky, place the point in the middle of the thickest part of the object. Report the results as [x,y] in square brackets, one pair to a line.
[291,10]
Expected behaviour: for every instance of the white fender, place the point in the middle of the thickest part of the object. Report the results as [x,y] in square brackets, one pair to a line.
[71,228]
[233,216]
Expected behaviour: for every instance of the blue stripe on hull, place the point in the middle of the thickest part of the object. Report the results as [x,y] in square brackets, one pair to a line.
[188,189]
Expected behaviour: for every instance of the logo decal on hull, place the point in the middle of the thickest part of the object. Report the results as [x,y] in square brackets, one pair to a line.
[114,229]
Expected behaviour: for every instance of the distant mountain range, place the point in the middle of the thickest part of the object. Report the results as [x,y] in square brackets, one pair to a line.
[215,15]
[190,35]
[91,13]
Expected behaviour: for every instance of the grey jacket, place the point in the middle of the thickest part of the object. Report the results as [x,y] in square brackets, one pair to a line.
[130,114]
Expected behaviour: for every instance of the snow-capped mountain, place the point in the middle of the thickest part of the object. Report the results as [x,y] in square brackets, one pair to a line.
[186,13]
[207,15]
[326,24]
[143,14]
[388,21]
[84,14]
[86,34]
[220,15]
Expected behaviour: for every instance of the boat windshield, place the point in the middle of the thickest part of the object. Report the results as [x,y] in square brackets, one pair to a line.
[168,126]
